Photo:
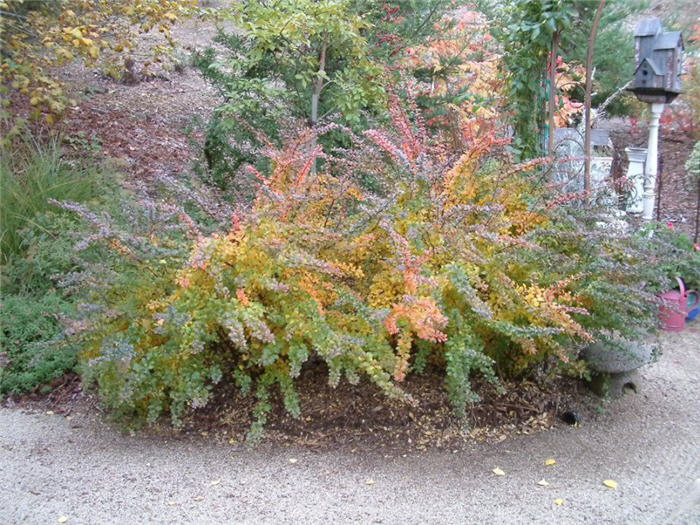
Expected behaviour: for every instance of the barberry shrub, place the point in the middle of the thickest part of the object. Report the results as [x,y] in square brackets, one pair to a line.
[458,258]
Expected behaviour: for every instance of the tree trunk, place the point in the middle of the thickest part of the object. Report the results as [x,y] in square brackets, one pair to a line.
[552,92]
[587,102]
[316,94]
[318,84]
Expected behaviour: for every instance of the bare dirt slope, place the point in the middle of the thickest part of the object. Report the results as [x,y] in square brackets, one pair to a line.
[649,442]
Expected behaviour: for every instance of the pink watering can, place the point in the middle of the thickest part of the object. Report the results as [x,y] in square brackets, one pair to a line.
[675,307]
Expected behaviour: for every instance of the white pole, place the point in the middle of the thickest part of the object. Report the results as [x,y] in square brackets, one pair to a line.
[650,167]
[635,175]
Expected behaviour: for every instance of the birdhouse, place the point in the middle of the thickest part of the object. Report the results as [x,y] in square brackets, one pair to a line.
[658,59]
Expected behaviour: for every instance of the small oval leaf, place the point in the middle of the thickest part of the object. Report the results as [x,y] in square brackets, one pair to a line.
[610,483]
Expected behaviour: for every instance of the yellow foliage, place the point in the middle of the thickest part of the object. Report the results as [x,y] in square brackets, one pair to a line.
[38,36]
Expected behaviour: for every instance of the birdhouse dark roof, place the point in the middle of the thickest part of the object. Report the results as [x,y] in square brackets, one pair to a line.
[668,40]
[657,70]
[647,27]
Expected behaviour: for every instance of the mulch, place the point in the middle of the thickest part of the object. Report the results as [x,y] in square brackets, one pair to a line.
[356,415]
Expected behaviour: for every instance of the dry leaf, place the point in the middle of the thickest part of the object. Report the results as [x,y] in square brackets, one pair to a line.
[63,519]
[170,502]
[542,483]
[550,461]
[558,501]
[215,482]
[369,481]
[292,460]
[498,472]
[610,483]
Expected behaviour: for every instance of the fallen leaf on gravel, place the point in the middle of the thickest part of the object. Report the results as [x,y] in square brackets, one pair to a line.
[198,498]
[550,461]
[610,483]
[215,482]
[498,472]
[558,501]
[369,481]
[63,519]
[170,502]
[542,483]
[292,460]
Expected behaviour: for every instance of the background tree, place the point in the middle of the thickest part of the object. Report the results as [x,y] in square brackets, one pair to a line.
[528,31]
[304,59]
[534,33]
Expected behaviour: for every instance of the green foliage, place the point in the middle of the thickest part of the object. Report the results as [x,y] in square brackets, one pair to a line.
[526,29]
[29,323]
[300,59]
[30,174]
[692,166]
[316,61]
[676,256]
[37,244]
[613,57]
[31,333]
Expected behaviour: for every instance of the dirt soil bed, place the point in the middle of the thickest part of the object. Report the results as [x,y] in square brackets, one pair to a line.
[358,415]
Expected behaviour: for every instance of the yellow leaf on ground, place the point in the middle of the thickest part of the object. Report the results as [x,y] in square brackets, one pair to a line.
[610,483]
[369,481]
[498,472]
[542,483]
[215,482]
[559,501]
[292,460]
[63,519]
[550,461]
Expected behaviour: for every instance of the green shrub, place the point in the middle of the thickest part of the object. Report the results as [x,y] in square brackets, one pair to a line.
[30,328]
[32,306]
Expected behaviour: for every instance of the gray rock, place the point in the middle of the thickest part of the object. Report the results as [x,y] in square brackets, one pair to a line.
[614,386]
[620,355]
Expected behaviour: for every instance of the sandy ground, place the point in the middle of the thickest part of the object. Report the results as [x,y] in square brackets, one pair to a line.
[53,467]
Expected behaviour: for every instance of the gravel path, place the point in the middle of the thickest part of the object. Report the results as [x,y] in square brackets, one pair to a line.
[53,467]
